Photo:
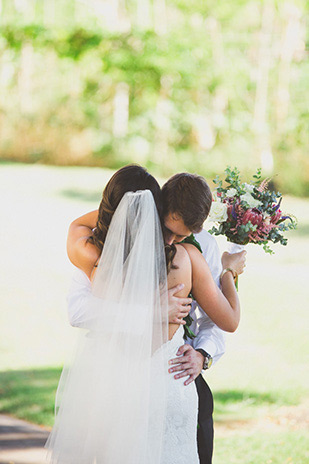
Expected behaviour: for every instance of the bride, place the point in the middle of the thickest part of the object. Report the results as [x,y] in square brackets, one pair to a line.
[117,402]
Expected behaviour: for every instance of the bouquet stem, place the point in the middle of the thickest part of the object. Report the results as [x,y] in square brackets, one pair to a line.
[235,247]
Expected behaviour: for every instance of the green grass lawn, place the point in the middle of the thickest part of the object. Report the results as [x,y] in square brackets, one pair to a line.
[289,447]
[251,427]
[262,378]
[30,394]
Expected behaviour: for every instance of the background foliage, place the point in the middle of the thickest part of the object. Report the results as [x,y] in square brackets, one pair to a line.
[170,84]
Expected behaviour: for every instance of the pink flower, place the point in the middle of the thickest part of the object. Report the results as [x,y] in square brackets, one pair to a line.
[234,209]
[263,186]
[255,217]
[276,217]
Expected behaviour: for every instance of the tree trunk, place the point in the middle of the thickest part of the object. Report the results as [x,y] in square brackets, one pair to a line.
[291,38]
[26,8]
[260,124]
[160,19]
[162,123]
[49,12]
[25,79]
[216,41]
[204,131]
[121,111]
[143,16]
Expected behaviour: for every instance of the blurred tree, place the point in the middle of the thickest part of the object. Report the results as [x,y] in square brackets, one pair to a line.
[169,83]
[260,117]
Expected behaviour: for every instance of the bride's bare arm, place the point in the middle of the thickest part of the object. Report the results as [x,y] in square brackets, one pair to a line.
[80,252]
[222,307]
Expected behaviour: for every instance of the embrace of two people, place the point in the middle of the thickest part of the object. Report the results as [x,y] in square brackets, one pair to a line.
[135,393]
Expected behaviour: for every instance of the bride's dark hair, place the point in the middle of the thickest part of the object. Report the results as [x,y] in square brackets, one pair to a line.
[127,179]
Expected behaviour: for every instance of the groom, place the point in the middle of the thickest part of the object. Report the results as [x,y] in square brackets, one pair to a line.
[187,200]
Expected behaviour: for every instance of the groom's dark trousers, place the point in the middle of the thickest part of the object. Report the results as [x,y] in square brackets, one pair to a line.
[205,432]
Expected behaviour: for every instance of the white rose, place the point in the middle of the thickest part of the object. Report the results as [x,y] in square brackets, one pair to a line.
[248,187]
[231,192]
[218,212]
[251,202]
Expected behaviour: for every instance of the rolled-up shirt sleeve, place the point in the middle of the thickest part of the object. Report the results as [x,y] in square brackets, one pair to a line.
[209,338]
[78,299]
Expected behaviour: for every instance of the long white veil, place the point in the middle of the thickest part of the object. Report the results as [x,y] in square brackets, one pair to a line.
[113,396]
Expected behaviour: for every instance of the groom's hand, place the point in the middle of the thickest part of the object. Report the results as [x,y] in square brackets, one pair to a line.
[189,362]
[178,307]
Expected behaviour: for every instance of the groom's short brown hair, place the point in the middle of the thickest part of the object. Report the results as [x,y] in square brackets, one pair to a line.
[188,196]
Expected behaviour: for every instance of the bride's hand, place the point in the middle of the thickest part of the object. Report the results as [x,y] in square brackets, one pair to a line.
[178,308]
[235,261]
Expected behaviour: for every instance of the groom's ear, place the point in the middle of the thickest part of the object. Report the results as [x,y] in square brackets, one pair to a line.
[188,196]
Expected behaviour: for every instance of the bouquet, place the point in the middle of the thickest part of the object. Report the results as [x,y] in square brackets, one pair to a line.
[249,213]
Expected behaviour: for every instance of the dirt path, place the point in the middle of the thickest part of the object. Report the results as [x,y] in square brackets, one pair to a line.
[21,442]
[285,417]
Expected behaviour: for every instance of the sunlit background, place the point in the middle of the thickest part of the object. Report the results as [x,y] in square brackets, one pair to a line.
[175,85]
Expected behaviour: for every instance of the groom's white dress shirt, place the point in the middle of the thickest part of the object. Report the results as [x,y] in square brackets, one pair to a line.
[208,336]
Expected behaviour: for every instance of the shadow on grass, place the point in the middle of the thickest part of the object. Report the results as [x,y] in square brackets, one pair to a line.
[237,405]
[82,195]
[30,394]
[238,396]
[232,397]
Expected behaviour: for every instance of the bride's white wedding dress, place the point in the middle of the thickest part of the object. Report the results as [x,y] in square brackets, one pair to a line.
[180,435]
[117,402]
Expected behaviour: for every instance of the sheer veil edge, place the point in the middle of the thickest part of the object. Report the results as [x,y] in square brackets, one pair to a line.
[111,400]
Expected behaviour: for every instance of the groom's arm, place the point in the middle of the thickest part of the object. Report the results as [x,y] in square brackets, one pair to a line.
[210,339]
